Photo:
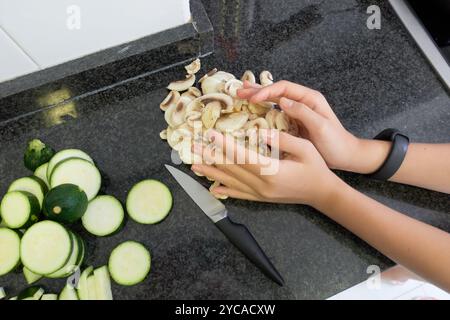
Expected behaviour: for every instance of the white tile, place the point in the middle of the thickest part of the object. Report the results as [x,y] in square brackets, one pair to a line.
[41,27]
[13,61]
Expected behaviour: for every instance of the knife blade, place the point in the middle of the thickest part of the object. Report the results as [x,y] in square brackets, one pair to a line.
[238,234]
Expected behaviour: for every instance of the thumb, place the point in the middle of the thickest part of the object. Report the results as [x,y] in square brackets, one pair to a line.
[301,112]
[284,142]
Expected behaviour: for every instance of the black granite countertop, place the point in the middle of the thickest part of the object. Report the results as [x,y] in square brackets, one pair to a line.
[373,79]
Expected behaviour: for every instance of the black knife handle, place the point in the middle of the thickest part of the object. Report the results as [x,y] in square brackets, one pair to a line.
[240,237]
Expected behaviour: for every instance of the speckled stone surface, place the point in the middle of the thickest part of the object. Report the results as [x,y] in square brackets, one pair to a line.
[373,79]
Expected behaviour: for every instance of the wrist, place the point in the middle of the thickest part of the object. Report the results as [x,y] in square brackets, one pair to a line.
[335,190]
[368,155]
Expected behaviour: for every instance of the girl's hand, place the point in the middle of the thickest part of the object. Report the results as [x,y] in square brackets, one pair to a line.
[301,177]
[318,123]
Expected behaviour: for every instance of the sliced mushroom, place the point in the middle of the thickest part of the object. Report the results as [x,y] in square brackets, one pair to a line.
[265,78]
[248,76]
[182,85]
[258,109]
[218,196]
[210,73]
[282,122]
[226,102]
[232,122]
[192,92]
[212,85]
[270,118]
[231,87]
[194,67]
[163,134]
[238,103]
[175,114]
[258,123]
[211,113]
[186,154]
[191,117]
[172,98]
[176,136]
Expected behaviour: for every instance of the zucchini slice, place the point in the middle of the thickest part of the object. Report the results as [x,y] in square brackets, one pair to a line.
[92,292]
[41,173]
[36,154]
[13,298]
[2,293]
[30,184]
[68,293]
[49,296]
[82,287]
[46,247]
[104,216]
[129,263]
[30,276]
[65,203]
[149,202]
[102,284]
[63,155]
[79,172]
[19,209]
[31,293]
[70,265]
[9,250]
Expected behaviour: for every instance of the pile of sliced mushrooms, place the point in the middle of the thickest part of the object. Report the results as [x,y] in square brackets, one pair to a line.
[191,111]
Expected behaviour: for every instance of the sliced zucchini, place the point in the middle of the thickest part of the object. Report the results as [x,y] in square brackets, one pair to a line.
[46,247]
[41,173]
[129,263]
[30,276]
[82,287]
[92,292]
[13,298]
[49,296]
[31,293]
[79,172]
[149,202]
[19,209]
[2,293]
[102,284]
[9,250]
[36,154]
[31,184]
[70,265]
[104,216]
[63,155]
[68,293]
[65,203]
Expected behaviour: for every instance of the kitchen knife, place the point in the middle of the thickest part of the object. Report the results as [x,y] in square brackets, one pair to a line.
[237,233]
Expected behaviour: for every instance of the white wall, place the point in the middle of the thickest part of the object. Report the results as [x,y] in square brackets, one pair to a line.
[42,33]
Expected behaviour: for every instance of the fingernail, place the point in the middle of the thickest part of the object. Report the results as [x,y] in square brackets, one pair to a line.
[286,103]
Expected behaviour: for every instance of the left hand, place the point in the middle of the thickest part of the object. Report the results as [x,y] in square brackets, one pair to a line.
[301,177]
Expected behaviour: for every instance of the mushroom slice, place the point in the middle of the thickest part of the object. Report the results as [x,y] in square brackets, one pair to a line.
[226,102]
[172,98]
[178,135]
[194,67]
[218,196]
[185,152]
[265,78]
[238,104]
[182,85]
[271,115]
[258,108]
[163,134]
[231,87]
[191,117]
[282,122]
[258,123]
[210,73]
[248,76]
[176,113]
[232,122]
[192,93]
[212,85]
[211,113]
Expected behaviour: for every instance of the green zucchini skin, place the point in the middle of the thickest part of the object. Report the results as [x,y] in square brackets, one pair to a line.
[28,292]
[36,154]
[35,210]
[65,203]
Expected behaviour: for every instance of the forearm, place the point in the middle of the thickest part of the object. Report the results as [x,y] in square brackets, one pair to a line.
[421,248]
[425,165]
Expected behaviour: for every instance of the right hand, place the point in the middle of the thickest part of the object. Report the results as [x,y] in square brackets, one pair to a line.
[314,116]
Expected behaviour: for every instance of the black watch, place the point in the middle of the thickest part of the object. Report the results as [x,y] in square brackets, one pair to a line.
[396,155]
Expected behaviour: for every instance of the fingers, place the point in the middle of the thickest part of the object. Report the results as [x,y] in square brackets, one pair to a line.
[289,90]
[309,119]
[221,176]
[237,194]
[285,142]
